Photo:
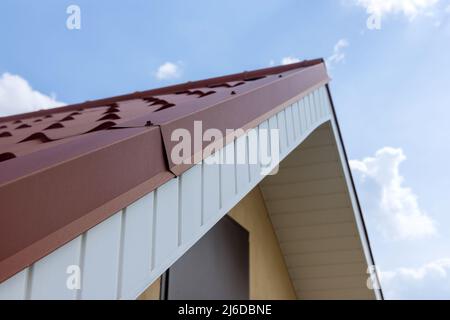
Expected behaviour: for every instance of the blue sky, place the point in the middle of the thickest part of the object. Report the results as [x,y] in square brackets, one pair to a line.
[390,88]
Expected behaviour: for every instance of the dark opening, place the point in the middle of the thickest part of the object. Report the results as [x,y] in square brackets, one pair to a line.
[215,268]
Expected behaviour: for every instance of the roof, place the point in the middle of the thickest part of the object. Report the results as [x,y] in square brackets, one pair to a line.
[64,170]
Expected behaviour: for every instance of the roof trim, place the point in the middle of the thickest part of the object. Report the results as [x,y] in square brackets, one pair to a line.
[119,165]
[169,89]
[364,235]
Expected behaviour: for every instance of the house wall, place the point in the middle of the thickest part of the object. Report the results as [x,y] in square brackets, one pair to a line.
[123,255]
[269,278]
[153,292]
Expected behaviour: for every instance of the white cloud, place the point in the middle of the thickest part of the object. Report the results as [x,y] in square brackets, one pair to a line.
[338,52]
[284,61]
[430,281]
[409,8]
[289,60]
[17,96]
[399,213]
[168,70]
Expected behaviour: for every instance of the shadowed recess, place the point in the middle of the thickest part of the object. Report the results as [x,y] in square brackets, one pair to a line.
[6,156]
[38,136]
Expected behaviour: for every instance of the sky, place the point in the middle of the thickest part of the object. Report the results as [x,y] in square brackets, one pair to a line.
[388,59]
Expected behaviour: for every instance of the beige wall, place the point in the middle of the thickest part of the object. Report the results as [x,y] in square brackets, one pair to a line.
[152,292]
[269,278]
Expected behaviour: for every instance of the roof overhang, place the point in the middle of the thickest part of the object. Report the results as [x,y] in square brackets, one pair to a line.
[58,171]
[78,181]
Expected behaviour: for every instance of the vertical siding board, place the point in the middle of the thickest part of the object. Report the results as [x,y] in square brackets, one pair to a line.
[14,288]
[313,108]
[49,280]
[166,228]
[137,245]
[253,155]
[265,160]
[191,203]
[242,165]
[211,188]
[308,118]
[273,125]
[228,173]
[100,270]
[283,131]
[326,103]
[296,120]
[321,102]
[303,119]
[290,126]
[317,104]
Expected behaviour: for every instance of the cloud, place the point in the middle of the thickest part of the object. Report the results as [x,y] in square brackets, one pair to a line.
[409,8]
[168,70]
[284,61]
[430,281]
[338,52]
[289,60]
[398,209]
[17,96]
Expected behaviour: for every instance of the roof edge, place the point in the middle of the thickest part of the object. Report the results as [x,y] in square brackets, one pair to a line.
[159,91]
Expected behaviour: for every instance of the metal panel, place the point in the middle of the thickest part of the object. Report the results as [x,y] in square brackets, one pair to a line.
[100,265]
[242,165]
[264,156]
[49,275]
[289,126]
[191,203]
[313,107]
[137,246]
[15,288]
[303,117]
[166,222]
[296,120]
[273,125]
[282,125]
[228,175]
[308,115]
[253,151]
[211,188]
[323,100]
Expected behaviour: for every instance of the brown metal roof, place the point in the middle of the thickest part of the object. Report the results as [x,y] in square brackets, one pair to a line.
[64,170]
